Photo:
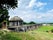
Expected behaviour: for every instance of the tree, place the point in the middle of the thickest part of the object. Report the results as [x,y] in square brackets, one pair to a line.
[24,23]
[32,22]
[8,4]
[4,6]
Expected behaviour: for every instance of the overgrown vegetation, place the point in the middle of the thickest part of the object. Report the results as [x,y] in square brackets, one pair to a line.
[5,35]
[38,34]
[52,30]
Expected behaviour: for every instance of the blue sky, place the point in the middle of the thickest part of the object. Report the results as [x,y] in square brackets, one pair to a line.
[38,11]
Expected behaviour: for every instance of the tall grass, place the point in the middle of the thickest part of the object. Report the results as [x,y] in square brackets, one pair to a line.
[38,34]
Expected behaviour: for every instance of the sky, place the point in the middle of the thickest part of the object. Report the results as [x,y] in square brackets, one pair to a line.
[39,11]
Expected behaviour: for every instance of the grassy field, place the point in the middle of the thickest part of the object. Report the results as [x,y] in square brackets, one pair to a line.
[45,28]
[38,34]
[41,34]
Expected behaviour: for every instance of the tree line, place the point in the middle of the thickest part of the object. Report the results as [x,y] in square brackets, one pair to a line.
[25,23]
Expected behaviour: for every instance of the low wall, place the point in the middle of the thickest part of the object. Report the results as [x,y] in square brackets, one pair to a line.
[29,27]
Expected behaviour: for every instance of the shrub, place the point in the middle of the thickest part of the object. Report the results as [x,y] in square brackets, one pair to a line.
[52,30]
[47,31]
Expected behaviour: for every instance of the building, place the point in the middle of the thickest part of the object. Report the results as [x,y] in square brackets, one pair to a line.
[15,23]
[45,24]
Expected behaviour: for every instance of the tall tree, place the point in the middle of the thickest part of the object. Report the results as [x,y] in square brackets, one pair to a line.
[4,6]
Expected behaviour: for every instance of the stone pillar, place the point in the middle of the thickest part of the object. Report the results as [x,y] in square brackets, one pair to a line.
[18,23]
[4,25]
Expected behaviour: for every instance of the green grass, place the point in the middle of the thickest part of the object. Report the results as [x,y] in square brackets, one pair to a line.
[38,34]
[41,34]
[15,36]
[45,28]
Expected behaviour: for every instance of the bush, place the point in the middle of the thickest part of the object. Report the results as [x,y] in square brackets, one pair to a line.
[52,30]
[47,31]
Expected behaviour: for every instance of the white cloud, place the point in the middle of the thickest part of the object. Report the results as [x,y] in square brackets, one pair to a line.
[40,4]
[50,11]
[47,15]
[31,15]
[19,2]
[33,3]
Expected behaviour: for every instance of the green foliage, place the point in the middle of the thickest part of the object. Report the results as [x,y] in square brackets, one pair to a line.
[3,15]
[8,4]
[24,23]
[5,35]
[4,6]
[9,37]
[32,22]
[29,23]
[0,25]
[52,30]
